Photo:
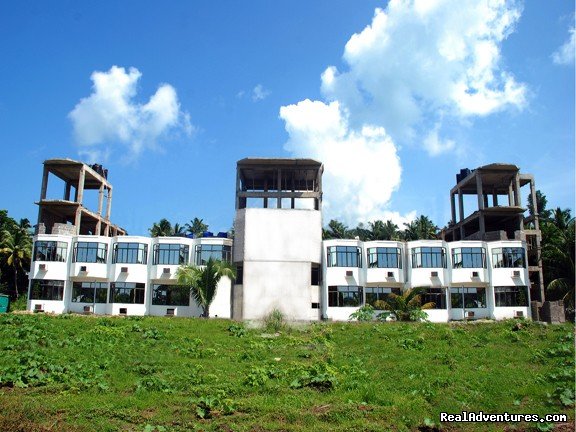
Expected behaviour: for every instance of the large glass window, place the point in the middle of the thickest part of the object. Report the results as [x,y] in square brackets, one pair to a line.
[344,296]
[171,295]
[47,289]
[90,252]
[130,253]
[50,251]
[511,257]
[468,298]
[428,257]
[175,254]
[375,294]
[384,257]
[127,292]
[436,296]
[511,296]
[344,256]
[469,257]
[89,292]
[216,252]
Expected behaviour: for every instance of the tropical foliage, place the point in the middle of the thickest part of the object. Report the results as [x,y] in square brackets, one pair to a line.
[203,281]
[196,227]
[164,228]
[15,254]
[421,228]
[406,306]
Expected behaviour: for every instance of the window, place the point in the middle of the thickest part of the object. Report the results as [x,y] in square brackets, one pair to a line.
[239,275]
[468,298]
[376,294]
[436,296]
[171,295]
[50,251]
[175,254]
[384,257]
[89,292]
[428,257]
[216,252]
[47,289]
[127,292]
[90,252]
[511,296]
[344,296]
[315,275]
[130,253]
[344,256]
[508,257]
[471,257]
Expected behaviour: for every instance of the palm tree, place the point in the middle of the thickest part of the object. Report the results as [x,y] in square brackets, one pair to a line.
[203,281]
[383,230]
[196,227]
[403,305]
[421,228]
[178,230]
[336,230]
[16,249]
[161,229]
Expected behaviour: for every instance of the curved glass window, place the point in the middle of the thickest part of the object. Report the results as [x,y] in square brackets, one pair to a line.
[469,257]
[43,289]
[170,254]
[384,257]
[90,252]
[50,251]
[344,256]
[216,252]
[428,257]
[130,253]
[127,292]
[508,257]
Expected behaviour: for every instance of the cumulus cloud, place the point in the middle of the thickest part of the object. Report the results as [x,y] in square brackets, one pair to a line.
[565,54]
[418,64]
[110,115]
[259,93]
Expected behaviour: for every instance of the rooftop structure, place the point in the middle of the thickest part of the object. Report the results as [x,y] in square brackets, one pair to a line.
[69,215]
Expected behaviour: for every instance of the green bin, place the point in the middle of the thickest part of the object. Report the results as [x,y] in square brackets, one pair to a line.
[4,303]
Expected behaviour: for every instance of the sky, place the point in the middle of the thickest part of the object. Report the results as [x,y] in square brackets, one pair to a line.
[393,97]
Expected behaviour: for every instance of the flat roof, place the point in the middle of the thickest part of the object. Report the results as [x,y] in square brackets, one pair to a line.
[69,171]
[252,162]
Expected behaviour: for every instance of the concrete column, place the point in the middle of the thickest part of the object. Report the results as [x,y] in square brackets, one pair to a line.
[517,195]
[279,205]
[237,189]
[265,190]
[80,188]
[109,203]
[44,188]
[453,207]
[510,194]
[479,192]
[495,198]
[78,219]
[534,204]
[461,205]
[67,191]
[100,198]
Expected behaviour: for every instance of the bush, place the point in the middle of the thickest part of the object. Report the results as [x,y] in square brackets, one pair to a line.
[365,313]
[274,321]
[20,304]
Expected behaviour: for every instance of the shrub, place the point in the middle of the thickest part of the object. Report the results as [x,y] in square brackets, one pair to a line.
[274,321]
[365,313]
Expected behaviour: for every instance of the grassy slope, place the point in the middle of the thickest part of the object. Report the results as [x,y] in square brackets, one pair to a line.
[87,373]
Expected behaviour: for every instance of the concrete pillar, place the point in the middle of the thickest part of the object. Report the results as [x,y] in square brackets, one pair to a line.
[78,219]
[517,194]
[80,188]
[453,207]
[100,198]
[460,205]
[510,194]
[109,203]
[480,205]
[495,198]
[534,204]
[44,187]
[67,191]
[279,205]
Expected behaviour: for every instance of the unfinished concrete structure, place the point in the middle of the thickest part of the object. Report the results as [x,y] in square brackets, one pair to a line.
[499,214]
[278,233]
[69,216]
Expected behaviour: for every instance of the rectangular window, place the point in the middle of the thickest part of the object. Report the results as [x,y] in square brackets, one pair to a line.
[468,298]
[50,251]
[130,253]
[345,296]
[315,275]
[509,257]
[428,257]
[470,257]
[384,257]
[89,292]
[239,275]
[436,296]
[375,295]
[511,296]
[344,256]
[170,295]
[170,254]
[90,252]
[47,289]
[216,252]
[127,292]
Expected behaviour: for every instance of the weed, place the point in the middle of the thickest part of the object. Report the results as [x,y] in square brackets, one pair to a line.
[237,330]
[365,313]
[275,322]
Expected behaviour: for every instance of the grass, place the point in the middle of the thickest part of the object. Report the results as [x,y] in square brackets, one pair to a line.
[77,373]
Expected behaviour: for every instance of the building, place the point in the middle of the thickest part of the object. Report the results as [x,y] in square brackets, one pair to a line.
[282,262]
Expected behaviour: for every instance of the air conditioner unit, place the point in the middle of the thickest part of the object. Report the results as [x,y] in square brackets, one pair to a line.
[516,273]
[88,309]
[38,308]
[123,311]
[475,274]
[42,267]
[170,312]
[83,269]
[469,314]
[349,273]
[434,274]
[166,270]
[390,274]
[124,270]
[518,314]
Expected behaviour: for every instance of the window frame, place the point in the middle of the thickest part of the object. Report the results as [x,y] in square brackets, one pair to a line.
[95,287]
[509,257]
[97,257]
[50,284]
[336,254]
[140,251]
[507,293]
[383,251]
[460,252]
[430,293]
[380,294]
[169,288]
[343,292]
[181,251]
[418,254]
[55,251]
[137,292]
[225,254]
[465,297]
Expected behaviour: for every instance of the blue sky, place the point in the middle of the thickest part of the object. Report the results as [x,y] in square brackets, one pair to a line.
[393,98]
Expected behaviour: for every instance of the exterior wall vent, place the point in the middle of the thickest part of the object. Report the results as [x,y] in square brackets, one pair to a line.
[518,314]
[170,311]
[390,274]
[516,273]
[315,305]
[88,309]
[475,274]
[349,273]
[469,314]
[434,274]
[124,270]
[83,269]
[42,267]
[38,308]
[123,311]
[166,270]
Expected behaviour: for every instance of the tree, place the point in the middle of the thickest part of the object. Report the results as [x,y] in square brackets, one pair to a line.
[406,305]
[16,250]
[336,230]
[196,227]
[161,229]
[203,281]
[541,202]
[383,230]
[178,230]
[421,228]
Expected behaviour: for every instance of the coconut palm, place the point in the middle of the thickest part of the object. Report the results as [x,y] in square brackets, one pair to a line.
[336,230]
[178,230]
[161,229]
[196,227]
[203,281]
[421,228]
[405,304]
[16,251]
[380,230]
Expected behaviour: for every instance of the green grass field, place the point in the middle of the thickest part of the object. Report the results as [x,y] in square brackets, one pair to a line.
[77,373]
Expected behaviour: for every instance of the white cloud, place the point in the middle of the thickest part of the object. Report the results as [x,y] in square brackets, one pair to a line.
[110,115]
[259,93]
[418,65]
[565,54]
[361,167]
